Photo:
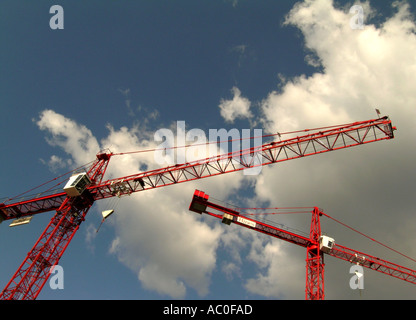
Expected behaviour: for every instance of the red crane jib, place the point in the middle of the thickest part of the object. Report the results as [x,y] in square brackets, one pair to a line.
[71,210]
[332,139]
[316,248]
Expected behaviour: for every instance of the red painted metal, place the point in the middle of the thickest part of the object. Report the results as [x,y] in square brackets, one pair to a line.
[315,257]
[32,274]
[346,136]
[314,261]
[373,263]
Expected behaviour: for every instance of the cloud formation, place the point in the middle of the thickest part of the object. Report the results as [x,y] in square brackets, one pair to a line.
[156,236]
[359,70]
[236,108]
[75,139]
[370,187]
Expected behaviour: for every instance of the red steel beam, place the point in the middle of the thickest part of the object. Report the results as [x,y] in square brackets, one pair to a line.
[355,134]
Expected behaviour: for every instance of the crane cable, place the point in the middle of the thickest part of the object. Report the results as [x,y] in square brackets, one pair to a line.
[113,204]
[178,147]
[372,239]
[54,179]
[279,134]
[326,215]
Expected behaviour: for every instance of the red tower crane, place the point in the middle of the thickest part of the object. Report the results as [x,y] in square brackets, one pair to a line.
[79,194]
[316,245]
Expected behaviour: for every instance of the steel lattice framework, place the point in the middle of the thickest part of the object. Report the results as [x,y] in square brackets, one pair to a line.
[71,211]
[33,273]
[374,263]
[315,255]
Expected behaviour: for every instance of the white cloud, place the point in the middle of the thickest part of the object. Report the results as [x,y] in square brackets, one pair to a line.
[76,140]
[162,235]
[230,269]
[55,163]
[91,233]
[155,234]
[237,108]
[363,69]
[279,276]
[360,70]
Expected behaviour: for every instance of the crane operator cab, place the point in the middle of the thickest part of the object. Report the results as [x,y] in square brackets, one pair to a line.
[326,243]
[77,184]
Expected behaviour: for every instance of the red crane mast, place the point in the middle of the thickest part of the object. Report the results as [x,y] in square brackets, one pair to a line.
[316,245]
[73,203]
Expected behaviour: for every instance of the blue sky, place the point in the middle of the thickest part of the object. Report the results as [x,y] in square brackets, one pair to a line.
[124,69]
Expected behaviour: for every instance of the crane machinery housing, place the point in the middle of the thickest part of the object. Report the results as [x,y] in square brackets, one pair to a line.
[83,189]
